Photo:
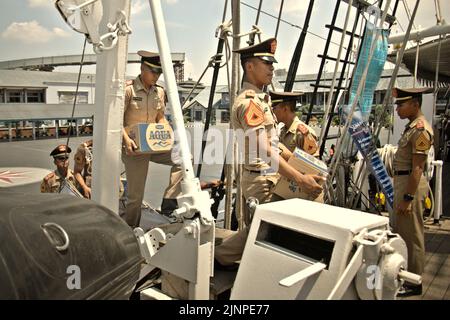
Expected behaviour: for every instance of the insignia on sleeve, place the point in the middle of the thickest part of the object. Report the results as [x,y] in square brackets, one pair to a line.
[253,116]
[422,142]
[302,128]
[49,176]
[310,145]
[420,125]
[250,94]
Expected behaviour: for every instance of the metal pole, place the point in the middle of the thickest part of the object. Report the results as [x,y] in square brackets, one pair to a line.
[436,81]
[279,18]
[438,30]
[235,10]
[10,131]
[416,64]
[33,129]
[438,190]
[251,40]
[171,88]
[108,111]
[290,79]
[218,60]
[193,201]
[325,51]
[344,76]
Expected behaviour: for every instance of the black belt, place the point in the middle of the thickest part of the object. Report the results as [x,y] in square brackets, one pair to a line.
[402,172]
[262,172]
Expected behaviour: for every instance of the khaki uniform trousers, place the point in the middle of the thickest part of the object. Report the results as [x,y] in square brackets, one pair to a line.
[410,226]
[136,168]
[253,185]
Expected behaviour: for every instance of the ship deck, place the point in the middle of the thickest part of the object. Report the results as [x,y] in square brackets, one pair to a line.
[436,276]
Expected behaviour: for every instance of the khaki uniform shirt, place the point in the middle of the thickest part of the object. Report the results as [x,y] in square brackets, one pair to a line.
[252,112]
[52,182]
[416,139]
[83,158]
[142,105]
[300,135]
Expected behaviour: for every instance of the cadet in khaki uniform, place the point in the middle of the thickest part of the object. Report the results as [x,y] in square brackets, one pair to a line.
[83,167]
[294,133]
[252,117]
[145,103]
[52,183]
[410,185]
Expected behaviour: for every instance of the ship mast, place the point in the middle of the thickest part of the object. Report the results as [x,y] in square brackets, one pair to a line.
[109,102]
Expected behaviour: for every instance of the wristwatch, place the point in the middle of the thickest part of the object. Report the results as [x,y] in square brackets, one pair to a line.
[408,197]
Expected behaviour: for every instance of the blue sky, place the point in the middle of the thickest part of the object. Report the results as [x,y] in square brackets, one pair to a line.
[34,28]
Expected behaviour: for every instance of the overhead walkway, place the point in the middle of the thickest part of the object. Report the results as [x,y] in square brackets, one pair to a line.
[70,60]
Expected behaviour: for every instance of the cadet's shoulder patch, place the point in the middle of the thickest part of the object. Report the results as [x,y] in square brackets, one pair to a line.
[422,142]
[253,116]
[129,83]
[250,94]
[49,176]
[302,128]
[310,145]
[420,125]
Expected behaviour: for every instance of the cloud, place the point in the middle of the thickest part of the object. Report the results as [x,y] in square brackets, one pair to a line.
[40,3]
[171,2]
[138,6]
[32,32]
[148,23]
[294,7]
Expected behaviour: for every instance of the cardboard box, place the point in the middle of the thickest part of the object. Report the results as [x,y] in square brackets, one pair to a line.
[306,164]
[151,137]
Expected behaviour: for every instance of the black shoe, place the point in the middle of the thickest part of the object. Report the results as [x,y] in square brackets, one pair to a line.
[409,290]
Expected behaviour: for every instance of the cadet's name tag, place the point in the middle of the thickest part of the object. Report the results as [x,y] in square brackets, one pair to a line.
[137,98]
[153,137]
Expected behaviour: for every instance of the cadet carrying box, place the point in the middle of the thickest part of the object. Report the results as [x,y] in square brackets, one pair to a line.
[151,137]
[306,164]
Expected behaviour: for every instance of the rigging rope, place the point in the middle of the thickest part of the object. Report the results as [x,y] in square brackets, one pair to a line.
[290,23]
[295,61]
[408,12]
[69,129]
[251,40]
[225,30]
[279,17]
[336,67]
